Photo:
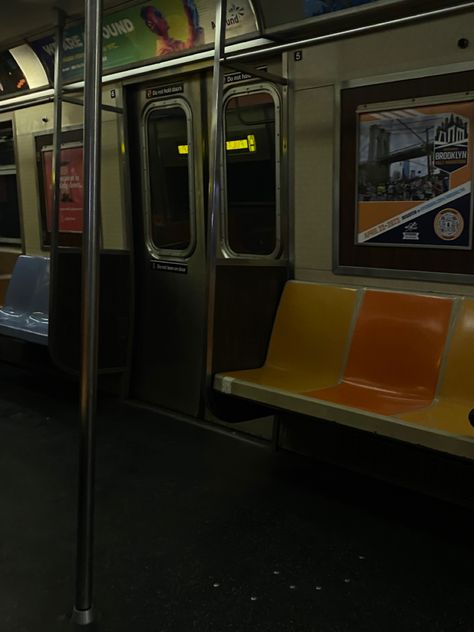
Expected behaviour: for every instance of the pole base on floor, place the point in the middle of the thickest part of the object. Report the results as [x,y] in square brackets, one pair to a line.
[83,619]
[78,620]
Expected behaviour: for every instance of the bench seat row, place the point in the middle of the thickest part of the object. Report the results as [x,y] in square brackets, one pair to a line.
[25,312]
[398,364]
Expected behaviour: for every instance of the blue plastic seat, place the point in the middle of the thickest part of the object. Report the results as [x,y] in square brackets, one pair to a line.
[25,313]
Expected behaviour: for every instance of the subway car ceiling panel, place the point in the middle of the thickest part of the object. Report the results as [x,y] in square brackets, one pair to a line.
[23,18]
[135,35]
[146,35]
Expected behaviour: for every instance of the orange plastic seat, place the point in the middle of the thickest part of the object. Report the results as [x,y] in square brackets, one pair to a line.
[456,399]
[395,354]
[309,339]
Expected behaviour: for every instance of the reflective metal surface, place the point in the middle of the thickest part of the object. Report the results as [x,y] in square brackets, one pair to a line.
[90,299]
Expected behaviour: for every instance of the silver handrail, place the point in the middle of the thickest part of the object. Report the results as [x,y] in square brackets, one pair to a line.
[83,607]
[215,182]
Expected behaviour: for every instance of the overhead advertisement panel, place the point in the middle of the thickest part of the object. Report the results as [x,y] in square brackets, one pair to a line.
[320,7]
[325,16]
[147,31]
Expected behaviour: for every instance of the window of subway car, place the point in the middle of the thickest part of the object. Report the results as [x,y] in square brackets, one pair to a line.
[251,217]
[170,210]
[9,212]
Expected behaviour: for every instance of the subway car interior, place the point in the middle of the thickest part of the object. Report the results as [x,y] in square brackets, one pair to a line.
[236,316]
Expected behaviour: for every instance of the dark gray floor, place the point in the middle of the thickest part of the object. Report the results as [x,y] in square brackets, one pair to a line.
[198,531]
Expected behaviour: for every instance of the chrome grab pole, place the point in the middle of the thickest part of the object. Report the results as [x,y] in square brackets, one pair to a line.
[215,180]
[57,129]
[83,607]
[56,167]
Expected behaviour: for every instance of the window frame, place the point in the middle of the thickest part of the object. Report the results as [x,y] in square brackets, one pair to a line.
[225,243]
[154,250]
[12,170]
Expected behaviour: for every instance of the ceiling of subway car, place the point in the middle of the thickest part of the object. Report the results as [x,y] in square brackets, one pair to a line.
[21,18]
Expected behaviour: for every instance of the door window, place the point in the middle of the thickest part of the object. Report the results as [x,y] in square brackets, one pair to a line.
[170,223]
[252,173]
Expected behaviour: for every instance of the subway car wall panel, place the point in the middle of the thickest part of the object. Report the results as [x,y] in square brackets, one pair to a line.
[306,138]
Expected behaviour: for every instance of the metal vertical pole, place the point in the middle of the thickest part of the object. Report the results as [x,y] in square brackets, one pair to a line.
[57,128]
[83,607]
[56,166]
[215,180]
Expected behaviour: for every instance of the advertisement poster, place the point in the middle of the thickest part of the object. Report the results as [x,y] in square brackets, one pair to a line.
[71,204]
[414,176]
[148,30]
[320,7]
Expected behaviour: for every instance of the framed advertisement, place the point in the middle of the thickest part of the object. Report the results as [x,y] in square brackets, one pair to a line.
[405,171]
[71,205]
[414,175]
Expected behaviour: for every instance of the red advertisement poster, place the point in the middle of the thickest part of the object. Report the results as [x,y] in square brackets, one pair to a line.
[71,203]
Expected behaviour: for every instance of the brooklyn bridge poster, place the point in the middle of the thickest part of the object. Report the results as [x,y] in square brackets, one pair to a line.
[414,176]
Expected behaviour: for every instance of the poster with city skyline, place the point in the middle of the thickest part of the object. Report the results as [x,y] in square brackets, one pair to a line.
[414,176]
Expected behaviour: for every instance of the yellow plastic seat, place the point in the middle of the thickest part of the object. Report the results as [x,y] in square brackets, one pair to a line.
[309,339]
[388,383]
[395,354]
[456,399]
